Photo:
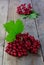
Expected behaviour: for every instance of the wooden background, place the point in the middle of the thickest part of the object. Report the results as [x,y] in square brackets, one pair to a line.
[34,27]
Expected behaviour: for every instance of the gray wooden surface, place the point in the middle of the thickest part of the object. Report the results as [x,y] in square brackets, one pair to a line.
[34,27]
[39,7]
[3,19]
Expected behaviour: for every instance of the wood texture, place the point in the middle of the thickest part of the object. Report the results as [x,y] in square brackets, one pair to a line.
[3,19]
[29,27]
[39,7]
[10,60]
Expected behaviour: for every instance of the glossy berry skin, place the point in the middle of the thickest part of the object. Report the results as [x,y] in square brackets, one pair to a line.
[27,45]
[24,9]
[23,44]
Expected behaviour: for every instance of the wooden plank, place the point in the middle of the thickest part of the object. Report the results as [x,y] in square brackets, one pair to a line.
[3,18]
[29,27]
[10,60]
[39,7]
[1,54]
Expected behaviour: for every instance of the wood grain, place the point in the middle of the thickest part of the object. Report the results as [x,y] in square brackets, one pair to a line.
[3,19]
[10,60]
[39,7]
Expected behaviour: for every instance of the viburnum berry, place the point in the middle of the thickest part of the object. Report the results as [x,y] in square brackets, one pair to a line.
[19,54]
[29,6]
[34,50]
[23,43]
[27,45]
[24,9]
[14,54]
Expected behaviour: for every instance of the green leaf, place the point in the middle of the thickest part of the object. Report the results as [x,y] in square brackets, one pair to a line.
[35,12]
[19,26]
[13,28]
[9,26]
[10,37]
[24,16]
[33,16]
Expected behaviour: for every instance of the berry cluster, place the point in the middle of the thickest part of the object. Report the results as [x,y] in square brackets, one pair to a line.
[23,44]
[24,9]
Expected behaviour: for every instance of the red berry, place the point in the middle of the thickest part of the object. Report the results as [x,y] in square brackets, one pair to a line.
[19,54]
[14,47]
[19,47]
[25,53]
[29,6]
[15,54]
[24,9]
[6,50]
[9,52]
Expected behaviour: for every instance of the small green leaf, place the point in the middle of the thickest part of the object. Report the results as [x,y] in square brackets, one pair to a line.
[35,12]
[24,16]
[33,16]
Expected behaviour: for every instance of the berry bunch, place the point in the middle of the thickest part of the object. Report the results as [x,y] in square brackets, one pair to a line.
[23,44]
[24,9]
